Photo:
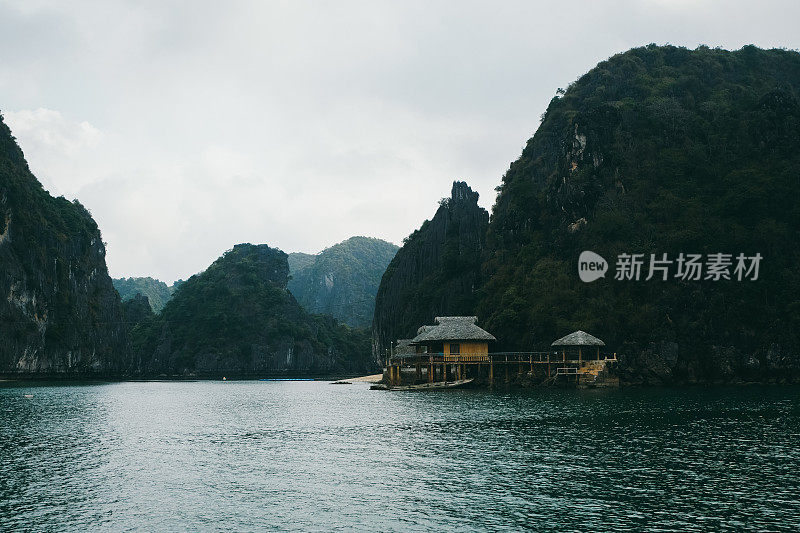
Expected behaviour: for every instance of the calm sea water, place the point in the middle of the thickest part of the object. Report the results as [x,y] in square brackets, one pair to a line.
[241,456]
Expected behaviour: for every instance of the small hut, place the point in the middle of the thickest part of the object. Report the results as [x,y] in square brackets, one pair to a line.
[580,341]
[454,336]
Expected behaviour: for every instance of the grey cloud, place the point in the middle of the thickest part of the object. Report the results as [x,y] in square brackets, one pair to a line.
[299,124]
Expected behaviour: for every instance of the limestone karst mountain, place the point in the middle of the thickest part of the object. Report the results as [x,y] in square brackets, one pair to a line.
[59,313]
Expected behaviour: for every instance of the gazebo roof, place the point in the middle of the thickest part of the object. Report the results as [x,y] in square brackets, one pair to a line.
[453,328]
[403,346]
[578,338]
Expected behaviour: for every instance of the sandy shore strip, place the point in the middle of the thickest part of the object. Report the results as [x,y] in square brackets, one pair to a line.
[374,378]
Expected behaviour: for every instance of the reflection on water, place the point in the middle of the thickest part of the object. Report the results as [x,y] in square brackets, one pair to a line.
[310,456]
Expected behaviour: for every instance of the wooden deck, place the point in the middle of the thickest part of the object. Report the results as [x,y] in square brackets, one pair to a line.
[440,367]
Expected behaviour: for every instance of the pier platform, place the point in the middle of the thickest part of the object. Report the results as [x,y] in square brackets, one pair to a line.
[544,368]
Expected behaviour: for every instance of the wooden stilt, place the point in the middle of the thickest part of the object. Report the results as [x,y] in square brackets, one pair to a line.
[491,373]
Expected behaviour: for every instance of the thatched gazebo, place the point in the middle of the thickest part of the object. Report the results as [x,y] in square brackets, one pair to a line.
[578,339]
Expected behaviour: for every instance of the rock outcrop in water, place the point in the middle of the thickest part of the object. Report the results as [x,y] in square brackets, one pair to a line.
[237,318]
[435,273]
[341,281]
[59,313]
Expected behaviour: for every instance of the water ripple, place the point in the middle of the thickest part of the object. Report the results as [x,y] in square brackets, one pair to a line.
[307,456]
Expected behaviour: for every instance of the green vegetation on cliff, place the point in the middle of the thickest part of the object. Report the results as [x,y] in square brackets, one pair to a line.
[59,312]
[341,281]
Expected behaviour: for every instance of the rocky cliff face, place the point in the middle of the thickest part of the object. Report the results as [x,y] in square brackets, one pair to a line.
[436,272]
[238,318]
[59,313]
[341,281]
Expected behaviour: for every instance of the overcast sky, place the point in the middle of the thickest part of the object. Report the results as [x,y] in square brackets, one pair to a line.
[188,127]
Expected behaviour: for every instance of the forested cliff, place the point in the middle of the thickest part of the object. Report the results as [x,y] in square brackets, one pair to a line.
[59,313]
[659,150]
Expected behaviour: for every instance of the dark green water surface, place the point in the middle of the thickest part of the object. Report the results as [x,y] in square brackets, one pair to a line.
[244,456]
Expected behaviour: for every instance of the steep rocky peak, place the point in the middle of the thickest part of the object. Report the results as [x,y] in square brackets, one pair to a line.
[435,273]
[462,192]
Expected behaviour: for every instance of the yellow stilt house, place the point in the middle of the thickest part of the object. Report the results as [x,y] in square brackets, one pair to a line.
[457,337]
[457,349]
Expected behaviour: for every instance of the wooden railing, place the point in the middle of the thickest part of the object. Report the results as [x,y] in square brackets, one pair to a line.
[494,357]
[566,371]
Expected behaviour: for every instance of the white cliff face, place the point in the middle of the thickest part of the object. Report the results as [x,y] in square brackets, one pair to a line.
[5,235]
[578,143]
[19,296]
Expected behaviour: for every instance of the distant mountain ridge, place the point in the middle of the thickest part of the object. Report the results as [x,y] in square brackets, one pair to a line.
[341,281]
[156,291]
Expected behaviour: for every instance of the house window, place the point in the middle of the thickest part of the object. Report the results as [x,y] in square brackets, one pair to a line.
[455,349]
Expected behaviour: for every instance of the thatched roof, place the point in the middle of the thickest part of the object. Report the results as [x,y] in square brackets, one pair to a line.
[452,328]
[578,338]
[423,329]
